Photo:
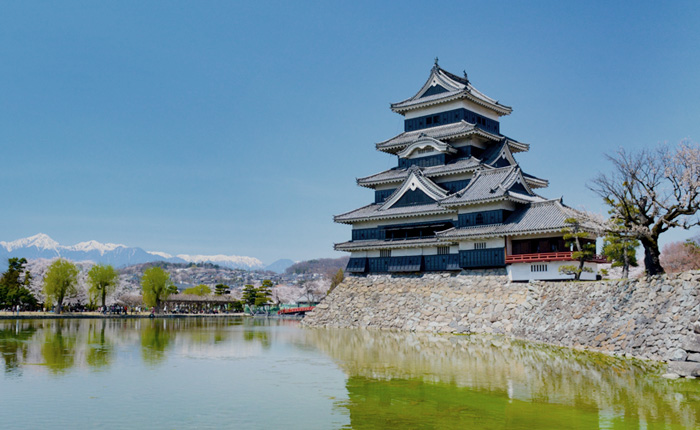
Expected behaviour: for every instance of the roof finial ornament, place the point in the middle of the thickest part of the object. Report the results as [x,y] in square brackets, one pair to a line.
[466,78]
[436,62]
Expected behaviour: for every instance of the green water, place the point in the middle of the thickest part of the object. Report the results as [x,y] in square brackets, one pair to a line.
[244,373]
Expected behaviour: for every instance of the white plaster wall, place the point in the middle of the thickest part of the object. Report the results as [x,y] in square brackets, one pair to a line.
[433,250]
[487,207]
[404,252]
[450,178]
[491,242]
[456,104]
[416,154]
[522,272]
[387,187]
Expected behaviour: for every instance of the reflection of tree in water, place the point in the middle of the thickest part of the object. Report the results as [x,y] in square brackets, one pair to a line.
[395,370]
[58,347]
[156,336]
[251,335]
[254,329]
[204,331]
[99,348]
[14,345]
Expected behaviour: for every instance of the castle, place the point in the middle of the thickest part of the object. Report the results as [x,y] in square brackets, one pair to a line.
[457,199]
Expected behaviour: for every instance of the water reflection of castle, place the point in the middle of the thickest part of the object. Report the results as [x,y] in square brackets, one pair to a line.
[480,381]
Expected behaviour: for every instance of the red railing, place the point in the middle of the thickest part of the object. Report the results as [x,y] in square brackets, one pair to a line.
[548,256]
[295,310]
[540,256]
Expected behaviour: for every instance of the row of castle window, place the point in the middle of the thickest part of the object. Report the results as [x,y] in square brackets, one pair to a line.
[494,257]
[462,153]
[538,268]
[401,231]
[429,161]
[449,117]
[482,218]
[407,231]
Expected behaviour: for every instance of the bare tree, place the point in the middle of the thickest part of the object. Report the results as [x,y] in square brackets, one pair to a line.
[652,191]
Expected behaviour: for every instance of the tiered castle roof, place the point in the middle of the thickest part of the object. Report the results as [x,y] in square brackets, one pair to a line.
[478,168]
[545,216]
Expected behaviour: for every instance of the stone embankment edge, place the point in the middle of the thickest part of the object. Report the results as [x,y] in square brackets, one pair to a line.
[650,319]
[96,316]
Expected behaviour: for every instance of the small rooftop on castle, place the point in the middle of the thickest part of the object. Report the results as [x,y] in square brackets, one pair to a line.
[441,87]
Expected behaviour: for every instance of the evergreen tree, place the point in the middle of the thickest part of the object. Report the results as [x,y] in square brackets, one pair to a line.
[620,244]
[263,294]
[337,279]
[13,289]
[583,252]
[249,294]
[221,289]
[237,306]
[621,248]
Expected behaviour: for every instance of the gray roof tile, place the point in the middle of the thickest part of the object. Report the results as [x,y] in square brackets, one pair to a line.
[372,212]
[536,217]
[489,184]
[370,244]
[393,175]
[440,132]
[457,87]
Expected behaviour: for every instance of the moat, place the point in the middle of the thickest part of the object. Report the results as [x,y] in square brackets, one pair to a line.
[254,373]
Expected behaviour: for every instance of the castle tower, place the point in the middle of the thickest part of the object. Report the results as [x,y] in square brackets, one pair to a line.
[457,199]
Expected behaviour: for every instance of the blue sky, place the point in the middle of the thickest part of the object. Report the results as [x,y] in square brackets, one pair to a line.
[240,127]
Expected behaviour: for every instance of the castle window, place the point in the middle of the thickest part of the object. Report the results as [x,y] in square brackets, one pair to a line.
[479,219]
[480,245]
[385,253]
[443,250]
[538,268]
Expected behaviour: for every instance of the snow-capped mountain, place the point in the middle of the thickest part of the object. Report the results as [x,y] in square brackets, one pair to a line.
[38,241]
[225,260]
[42,246]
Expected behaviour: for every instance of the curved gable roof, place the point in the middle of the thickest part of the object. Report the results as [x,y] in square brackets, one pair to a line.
[443,86]
[492,185]
[415,181]
[423,142]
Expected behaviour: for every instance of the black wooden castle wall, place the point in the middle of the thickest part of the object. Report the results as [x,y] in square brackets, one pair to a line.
[452,116]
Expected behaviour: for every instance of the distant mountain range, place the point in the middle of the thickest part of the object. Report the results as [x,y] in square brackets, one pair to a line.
[42,246]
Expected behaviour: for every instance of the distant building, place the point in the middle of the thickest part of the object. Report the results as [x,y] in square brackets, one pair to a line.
[458,199]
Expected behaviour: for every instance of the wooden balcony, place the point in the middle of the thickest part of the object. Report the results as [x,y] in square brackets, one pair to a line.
[548,256]
[540,256]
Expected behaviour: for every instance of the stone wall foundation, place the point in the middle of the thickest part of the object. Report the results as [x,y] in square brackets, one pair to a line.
[650,319]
